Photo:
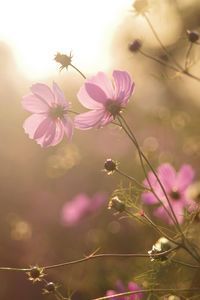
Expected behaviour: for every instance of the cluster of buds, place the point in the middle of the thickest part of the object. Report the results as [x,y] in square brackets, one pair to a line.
[162,245]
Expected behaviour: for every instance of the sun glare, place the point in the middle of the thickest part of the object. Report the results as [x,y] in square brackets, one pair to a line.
[36,30]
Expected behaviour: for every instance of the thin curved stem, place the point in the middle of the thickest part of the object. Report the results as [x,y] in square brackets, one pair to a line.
[142,156]
[75,68]
[187,55]
[185,264]
[132,179]
[147,291]
[160,42]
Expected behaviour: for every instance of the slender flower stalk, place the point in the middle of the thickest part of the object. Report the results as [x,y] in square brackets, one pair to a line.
[185,245]
[160,42]
[133,180]
[174,290]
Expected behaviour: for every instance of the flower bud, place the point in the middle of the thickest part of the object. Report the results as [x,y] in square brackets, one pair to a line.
[35,274]
[50,287]
[116,204]
[110,166]
[140,6]
[135,46]
[193,36]
[64,60]
[162,245]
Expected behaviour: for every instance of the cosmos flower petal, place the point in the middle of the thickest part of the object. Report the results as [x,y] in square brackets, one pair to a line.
[73,211]
[161,213]
[68,127]
[49,135]
[149,198]
[132,286]
[59,96]
[184,177]
[34,104]
[59,133]
[167,176]
[86,100]
[123,86]
[43,92]
[104,83]
[89,119]
[42,128]
[32,122]
[96,93]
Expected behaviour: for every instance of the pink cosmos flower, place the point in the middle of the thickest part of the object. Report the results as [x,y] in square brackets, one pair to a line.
[49,121]
[120,288]
[81,206]
[104,99]
[176,185]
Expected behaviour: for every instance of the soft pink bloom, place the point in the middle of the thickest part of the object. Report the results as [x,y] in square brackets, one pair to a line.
[104,99]
[79,207]
[176,185]
[120,288]
[49,121]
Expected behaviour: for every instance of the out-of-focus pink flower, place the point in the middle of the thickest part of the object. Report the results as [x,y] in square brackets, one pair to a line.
[120,288]
[104,99]
[49,121]
[176,185]
[81,206]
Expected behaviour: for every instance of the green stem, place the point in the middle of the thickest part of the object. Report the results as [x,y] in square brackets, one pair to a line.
[147,291]
[78,71]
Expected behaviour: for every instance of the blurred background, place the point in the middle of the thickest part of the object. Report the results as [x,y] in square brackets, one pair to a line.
[38,184]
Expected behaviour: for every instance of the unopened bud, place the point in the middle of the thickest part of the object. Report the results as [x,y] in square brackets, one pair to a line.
[50,288]
[117,204]
[64,60]
[141,6]
[162,245]
[193,36]
[110,166]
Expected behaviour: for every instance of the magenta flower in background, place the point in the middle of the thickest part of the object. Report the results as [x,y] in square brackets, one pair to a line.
[104,99]
[176,185]
[81,206]
[49,121]
[120,288]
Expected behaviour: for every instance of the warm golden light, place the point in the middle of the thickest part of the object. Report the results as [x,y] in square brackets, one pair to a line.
[36,30]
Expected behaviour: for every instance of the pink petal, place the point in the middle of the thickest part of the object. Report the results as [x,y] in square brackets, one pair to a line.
[96,93]
[89,119]
[123,86]
[42,128]
[104,83]
[59,133]
[59,96]
[162,214]
[167,176]
[184,177]
[34,104]
[74,210]
[31,123]
[86,100]
[149,198]
[49,135]
[43,92]
[133,287]
[68,127]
